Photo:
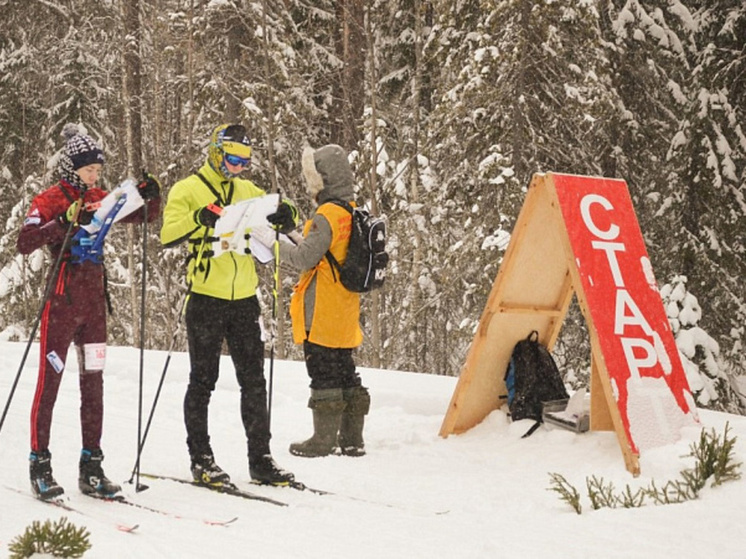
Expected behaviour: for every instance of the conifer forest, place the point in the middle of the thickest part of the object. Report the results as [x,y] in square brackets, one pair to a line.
[448,108]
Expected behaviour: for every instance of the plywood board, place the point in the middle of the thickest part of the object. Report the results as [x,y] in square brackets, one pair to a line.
[532,292]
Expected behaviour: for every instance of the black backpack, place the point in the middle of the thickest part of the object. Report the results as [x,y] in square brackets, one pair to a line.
[364,268]
[532,378]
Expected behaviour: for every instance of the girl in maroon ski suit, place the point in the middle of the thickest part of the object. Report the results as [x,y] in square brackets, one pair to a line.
[75,310]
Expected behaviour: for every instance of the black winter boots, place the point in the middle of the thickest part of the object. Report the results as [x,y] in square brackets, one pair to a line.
[92,480]
[42,481]
[338,419]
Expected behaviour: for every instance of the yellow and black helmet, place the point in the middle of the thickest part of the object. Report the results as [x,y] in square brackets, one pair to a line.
[229,140]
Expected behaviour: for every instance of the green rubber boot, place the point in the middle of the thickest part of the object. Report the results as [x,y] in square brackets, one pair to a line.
[353,420]
[327,406]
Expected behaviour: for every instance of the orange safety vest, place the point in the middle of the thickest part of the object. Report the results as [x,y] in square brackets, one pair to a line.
[336,316]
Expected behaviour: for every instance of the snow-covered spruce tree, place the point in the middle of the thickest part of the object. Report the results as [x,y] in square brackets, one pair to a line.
[647,43]
[705,205]
[522,90]
[393,168]
[22,161]
[43,88]
[681,145]
[315,109]
[705,371]
[173,146]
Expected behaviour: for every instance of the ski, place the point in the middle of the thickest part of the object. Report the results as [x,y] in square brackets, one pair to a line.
[62,503]
[300,486]
[297,485]
[124,501]
[225,488]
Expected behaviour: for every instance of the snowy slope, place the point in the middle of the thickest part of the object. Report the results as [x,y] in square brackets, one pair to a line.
[480,494]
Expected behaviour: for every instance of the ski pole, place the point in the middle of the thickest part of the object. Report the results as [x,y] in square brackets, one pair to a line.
[273,333]
[136,469]
[45,299]
[138,486]
[182,310]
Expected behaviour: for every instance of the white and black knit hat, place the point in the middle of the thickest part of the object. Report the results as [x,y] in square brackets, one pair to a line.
[80,149]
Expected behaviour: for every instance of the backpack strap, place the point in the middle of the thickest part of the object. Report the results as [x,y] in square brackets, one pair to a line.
[67,195]
[333,263]
[198,251]
[218,197]
[531,431]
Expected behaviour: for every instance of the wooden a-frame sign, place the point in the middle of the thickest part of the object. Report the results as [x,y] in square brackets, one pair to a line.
[579,235]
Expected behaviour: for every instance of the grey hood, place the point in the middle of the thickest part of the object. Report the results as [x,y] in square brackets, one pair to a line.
[328,174]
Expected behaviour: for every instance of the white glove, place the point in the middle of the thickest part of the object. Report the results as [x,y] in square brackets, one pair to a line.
[264,235]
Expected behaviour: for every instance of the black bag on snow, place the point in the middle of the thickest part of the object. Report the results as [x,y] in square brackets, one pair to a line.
[364,268]
[532,378]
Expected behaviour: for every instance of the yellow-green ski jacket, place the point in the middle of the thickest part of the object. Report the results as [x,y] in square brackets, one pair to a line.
[231,275]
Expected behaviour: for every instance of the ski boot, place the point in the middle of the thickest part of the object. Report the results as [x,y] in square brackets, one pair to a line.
[206,472]
[42,481]
[92,480]
[265,471]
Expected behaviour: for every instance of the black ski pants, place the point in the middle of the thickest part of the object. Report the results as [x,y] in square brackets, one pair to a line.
[209,321]
[330,367]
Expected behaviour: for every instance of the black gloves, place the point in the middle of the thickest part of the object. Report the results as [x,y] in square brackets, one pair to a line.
[85,215]
[149,187]
[208,215]
[285,218]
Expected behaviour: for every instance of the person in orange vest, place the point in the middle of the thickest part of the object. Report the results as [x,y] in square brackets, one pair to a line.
[325,315]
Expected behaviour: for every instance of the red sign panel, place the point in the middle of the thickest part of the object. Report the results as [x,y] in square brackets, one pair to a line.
[636,341]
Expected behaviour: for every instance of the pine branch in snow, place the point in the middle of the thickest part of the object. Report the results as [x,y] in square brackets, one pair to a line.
[600,493]
[566,491]
[630,500]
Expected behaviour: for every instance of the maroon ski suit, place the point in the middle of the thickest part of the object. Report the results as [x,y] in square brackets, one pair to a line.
[75,312]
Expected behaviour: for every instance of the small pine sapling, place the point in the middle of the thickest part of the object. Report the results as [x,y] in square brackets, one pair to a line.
[671,493]
[600,493]
[630,500]
[566,491]
[58,539]
[713,459]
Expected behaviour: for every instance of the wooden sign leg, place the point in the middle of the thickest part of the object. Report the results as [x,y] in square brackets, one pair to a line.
[600,415]
[605,414]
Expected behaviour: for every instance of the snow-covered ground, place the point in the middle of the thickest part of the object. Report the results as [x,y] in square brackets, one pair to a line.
[415,495]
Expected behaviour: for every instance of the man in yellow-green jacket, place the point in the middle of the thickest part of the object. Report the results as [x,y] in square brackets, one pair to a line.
[222,304]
